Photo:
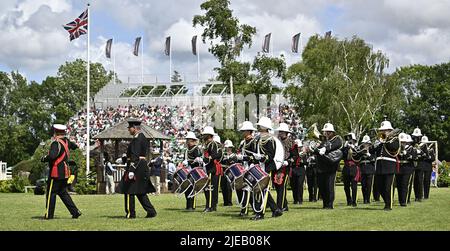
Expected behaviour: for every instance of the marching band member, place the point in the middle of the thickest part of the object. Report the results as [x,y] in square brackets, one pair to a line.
[311,174]
[367,168]
[192,159]
[281,175]
[297,163]
[405,169]
[265,155]
[59,175]
[350,172]
[247,146]
[136,179]
[212,156]
[229,158]
[327,167]
[426,165]
[419,155]
[387,148]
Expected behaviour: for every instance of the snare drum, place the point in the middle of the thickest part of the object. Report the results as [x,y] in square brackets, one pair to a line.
[199,179]
[181,179]
[235,175]
[256,178]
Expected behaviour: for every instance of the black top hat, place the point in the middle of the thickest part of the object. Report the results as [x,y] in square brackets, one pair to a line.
[134,122]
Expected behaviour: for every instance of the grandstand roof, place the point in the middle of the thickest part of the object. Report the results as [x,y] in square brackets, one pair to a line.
[120,131]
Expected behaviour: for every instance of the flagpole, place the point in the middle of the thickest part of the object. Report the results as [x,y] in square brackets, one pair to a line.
[170,60]
[301,46]
[142,60]
[114,62]
[198,62]
[88,92]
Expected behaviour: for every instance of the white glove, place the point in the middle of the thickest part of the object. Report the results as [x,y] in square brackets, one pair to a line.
[185,162]
[368,154]
[130,175]
[198,160]
[153,161]
[239,156]
[346,144]
[257,156]
[285,163]
[322,151]
[419,151]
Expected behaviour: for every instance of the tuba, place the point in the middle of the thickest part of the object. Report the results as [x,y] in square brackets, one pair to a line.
[313,136]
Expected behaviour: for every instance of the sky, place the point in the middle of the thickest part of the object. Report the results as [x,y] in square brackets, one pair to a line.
[34,42]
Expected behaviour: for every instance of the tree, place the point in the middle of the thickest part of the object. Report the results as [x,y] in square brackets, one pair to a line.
[176,77]
[227,37]
[342,82]
[427,93]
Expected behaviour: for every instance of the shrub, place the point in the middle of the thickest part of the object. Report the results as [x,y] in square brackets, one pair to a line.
[444,175]
[5,186]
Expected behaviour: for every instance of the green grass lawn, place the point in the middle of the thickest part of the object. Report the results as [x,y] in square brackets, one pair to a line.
[103,212]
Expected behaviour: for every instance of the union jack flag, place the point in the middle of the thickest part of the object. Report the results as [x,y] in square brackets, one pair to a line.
[78,27]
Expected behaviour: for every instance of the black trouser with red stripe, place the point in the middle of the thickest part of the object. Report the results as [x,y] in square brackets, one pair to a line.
[190,202]
[130,205]
[326,183]
[349,182]
[384,184]
[366,186]
[297,181]
[418,184]
[376,190]
[402,183]
[58,187]
[226,191]
[426,183]
[212,192]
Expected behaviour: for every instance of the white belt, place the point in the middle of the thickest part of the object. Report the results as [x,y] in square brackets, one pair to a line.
[387,158]
[405,161]
[365,162]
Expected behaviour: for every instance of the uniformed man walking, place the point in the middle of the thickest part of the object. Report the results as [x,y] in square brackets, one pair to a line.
[426,164]
[297,173]
[386,148]
[247,147]
[311,175]
[192,159]
[136,179]
[282,174]
[419,156]
[405,169]
[59,173]
[329,154]
[229,158]
[350,171]
[367,167]
[212,156]
[265,155]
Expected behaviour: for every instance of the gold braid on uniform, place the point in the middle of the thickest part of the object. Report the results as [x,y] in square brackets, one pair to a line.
[393,154]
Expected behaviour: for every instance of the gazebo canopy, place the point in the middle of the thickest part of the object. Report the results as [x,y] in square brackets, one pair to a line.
[120,131]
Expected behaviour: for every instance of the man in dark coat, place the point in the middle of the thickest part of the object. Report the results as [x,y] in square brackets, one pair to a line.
[350,171]
[387,149]
[59,173]
[327,166]
[406,168]
[212,157]
[136,178]
[297,173]
[366,158]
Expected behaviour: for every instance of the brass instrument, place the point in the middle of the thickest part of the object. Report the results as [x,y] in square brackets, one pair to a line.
[313,132]
[389,136]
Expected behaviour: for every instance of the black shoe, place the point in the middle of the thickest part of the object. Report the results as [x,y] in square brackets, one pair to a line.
[300,202]
[354,204]
[257,217]
[242,214]
[150,215]
[277,213]
[75,216]
[131,216]
[190,209]
[329,207]
[403,204]
[214,209]
[285,209]
[387,208]
[295,202]
[314,200]
[349,204]
[207,210]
